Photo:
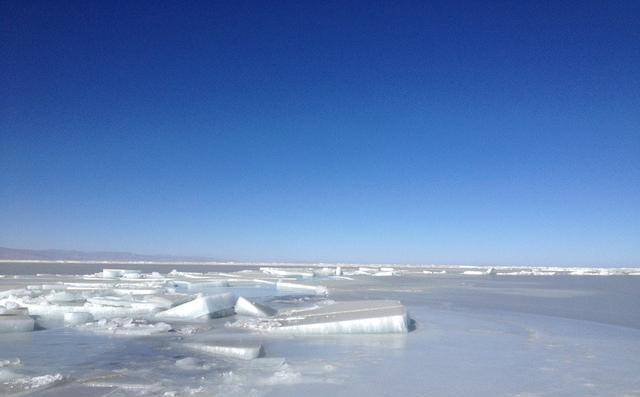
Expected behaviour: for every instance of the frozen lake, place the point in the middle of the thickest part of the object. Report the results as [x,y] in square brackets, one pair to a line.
[477,334]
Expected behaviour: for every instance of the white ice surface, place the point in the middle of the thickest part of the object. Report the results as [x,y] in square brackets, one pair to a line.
[571,335]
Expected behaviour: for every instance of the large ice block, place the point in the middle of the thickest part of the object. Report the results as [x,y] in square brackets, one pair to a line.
[354,317]
[16,323]
[219,305]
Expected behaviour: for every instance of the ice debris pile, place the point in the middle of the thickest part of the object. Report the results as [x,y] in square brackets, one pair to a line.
[208,319]
[131,303]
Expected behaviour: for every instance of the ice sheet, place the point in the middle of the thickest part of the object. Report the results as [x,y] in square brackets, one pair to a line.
[573,333]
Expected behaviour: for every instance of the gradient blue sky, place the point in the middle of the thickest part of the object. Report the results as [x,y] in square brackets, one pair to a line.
[417,132]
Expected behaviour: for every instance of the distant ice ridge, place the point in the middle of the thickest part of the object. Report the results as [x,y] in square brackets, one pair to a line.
[487,272]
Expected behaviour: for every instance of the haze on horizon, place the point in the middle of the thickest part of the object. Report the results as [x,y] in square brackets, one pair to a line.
[439,132]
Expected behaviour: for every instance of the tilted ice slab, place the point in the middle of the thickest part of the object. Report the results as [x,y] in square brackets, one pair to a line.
[354,317]
[219,305]
[247,308]
[244,351]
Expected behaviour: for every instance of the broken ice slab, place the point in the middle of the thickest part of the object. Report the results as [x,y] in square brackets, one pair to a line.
[219,305]
[6,311]
[241,350]
[75,318]
[247,308]
[296,287]
[354,317]
[64,297]
[113,273]
[16,323]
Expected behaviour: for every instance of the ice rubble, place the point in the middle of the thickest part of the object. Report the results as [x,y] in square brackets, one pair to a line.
[351,317]
[132,303]
[126,327]
[25,383]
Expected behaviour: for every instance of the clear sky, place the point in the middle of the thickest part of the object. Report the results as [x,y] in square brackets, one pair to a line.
[413,132]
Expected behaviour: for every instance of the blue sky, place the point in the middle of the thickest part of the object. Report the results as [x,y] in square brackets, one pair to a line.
[414,132]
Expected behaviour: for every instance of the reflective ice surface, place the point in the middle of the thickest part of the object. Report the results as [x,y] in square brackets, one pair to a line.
[474,334]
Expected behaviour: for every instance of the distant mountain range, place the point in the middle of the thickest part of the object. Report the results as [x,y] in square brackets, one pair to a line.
[56,255]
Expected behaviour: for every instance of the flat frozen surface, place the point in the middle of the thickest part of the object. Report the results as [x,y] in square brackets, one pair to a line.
[518,332]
